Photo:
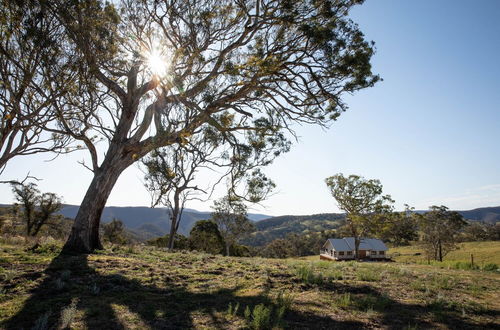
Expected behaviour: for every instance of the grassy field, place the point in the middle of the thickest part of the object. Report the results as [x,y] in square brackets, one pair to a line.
[145,288]
[483,252]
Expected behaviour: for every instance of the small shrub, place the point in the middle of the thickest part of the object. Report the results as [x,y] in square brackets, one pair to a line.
[307,275]
[284,300]
[48,248]
[344,300]
[491,267]
[231,312]
[236,308]
[323,264]
[400,272]
[372,302]
[247,313]
[465,265]
[8,275]
[394,271]
[261,317]
[336,275]
[418,285]
[443,282]
[368,275]
[476,288]
[280,313]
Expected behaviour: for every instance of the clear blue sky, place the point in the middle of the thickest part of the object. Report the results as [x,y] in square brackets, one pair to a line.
[430,131]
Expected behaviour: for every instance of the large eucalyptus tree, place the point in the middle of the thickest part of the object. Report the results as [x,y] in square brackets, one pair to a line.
[167,70]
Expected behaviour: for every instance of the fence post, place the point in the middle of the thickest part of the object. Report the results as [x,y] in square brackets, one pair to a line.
[472,260]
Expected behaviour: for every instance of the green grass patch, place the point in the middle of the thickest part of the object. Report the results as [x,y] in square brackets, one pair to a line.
[483,252]
[308,275]
[151,288]
[368,275]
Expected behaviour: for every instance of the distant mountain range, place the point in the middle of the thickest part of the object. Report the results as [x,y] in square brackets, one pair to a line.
[278,227]
[147,222]
[484,214]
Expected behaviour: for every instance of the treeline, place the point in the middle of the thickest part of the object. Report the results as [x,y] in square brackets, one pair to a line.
[279,227]
[204,237]
[438,230]
[396,229]
[295,245]
[480,231]
[229,231]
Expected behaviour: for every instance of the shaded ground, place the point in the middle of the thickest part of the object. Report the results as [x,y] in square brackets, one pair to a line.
[154,289]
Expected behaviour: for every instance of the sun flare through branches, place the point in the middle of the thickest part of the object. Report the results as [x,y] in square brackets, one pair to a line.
[156,61]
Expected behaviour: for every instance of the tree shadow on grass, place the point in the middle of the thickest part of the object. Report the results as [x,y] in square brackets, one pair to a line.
[393,314]
[117,302]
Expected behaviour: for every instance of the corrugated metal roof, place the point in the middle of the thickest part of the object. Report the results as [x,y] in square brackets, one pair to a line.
[339,244]
[347,244]
[377,244]
[363,244]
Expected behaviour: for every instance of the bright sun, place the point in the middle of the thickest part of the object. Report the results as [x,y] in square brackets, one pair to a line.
[157,63]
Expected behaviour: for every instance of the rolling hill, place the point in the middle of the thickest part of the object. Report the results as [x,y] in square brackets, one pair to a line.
[278,227]
[146,222]
[149,222]
[484,214]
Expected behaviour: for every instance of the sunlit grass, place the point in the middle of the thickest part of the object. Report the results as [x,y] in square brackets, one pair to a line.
[151,288]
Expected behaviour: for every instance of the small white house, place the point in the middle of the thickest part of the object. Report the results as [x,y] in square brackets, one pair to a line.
[343,249]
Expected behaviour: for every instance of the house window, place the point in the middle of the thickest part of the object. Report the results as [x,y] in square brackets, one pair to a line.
[335,253]
[381,253]
[349,253]
[341,253]
[373,252]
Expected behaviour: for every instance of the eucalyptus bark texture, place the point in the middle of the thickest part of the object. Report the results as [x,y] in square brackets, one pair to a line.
[84,237]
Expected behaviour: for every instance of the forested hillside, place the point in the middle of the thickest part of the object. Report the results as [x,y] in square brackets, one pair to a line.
[278,227]
[147,222]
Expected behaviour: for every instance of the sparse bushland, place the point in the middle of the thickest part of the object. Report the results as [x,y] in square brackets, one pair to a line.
[295,245]
[34,214]
[440,229]
[13,227]
[485,255]
[114,232]
[145,287]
